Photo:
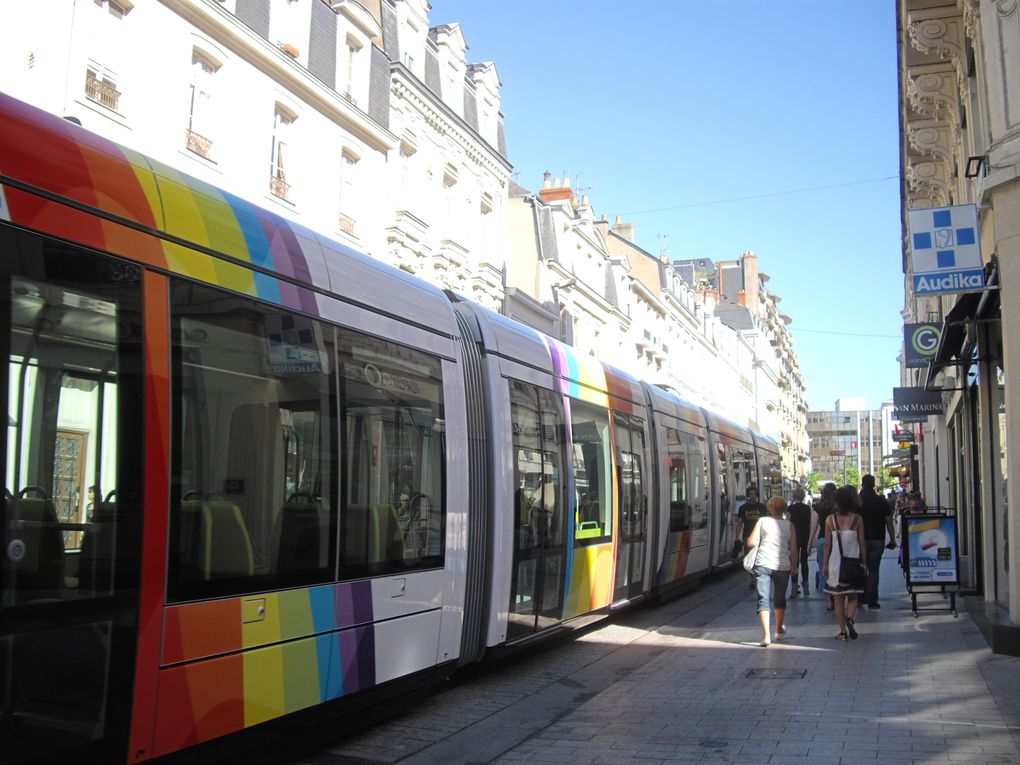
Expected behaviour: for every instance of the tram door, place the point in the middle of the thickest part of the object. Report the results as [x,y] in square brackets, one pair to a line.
[70,325]
[540,510]
[633,499]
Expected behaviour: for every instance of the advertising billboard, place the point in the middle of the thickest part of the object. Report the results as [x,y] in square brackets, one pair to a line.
[933,554]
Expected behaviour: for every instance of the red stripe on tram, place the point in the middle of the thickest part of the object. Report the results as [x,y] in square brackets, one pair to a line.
[154,545]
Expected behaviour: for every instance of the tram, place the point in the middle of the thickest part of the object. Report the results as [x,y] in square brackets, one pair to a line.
[243,493]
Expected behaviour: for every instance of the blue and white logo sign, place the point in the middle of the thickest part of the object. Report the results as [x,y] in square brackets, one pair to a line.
[945,248]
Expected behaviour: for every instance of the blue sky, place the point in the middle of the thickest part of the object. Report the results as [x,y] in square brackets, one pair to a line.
[692,119]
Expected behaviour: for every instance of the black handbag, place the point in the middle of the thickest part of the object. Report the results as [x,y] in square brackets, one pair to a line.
[852,571]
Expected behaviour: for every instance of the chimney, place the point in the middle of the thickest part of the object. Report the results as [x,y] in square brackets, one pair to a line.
[623,230]
[749,264]
[742,298]
[558,193]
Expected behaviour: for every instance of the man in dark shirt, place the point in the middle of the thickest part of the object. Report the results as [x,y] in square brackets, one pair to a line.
[800,516]
[877,521]
[747,516]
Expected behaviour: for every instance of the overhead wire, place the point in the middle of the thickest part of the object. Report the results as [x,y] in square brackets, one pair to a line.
[761,196]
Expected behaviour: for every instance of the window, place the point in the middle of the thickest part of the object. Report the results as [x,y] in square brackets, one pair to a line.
[593,513]
[688,481]
[101,87]
[348,197]
[392,518]
[253,482]
[630,454]
[350,81]
[263,444]
[199,137]
[278,184]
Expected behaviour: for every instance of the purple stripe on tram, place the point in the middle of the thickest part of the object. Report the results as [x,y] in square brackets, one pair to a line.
[353,604]
[357,658]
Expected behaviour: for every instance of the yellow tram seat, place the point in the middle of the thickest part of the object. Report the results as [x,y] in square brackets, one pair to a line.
[40,572]
[215,534]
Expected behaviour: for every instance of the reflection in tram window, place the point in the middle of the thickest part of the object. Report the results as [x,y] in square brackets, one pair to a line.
[744,471]
[69,571]
[392,517]
[61,440]
[593,517]
[688,480]
[679,509]
[252,495]
[772,475]
[536,596]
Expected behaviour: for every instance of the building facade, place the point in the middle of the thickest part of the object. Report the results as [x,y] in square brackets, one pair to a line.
[959,73]
[355,119]
[849,437]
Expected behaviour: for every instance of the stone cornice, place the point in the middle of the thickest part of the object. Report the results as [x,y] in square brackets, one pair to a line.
[933,92]
[442,119]
[929,180]
[943,32]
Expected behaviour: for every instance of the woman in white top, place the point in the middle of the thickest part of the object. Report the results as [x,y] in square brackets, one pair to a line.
[848,524]
[776,554]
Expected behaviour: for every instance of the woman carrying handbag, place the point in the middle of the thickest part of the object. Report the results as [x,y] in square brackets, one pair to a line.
[844,571]
[773,544]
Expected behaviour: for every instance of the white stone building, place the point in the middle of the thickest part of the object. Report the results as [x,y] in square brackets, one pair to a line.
[354,119]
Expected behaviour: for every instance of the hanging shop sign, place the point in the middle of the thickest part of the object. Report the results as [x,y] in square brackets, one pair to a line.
[916,404]
[920,341]
[945,250]
[933,555]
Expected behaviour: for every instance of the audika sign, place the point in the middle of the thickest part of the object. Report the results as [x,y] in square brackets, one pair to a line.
[945,251]
[932,550]
[920,341]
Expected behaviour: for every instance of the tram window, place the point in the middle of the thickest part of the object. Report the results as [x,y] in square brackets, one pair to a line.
[252,495]
[744,473]
[593,512]
[679,507]
[630,455]
[725,489]
[537,422]
[61,441]
[698,486]
[392,518]
[772,475]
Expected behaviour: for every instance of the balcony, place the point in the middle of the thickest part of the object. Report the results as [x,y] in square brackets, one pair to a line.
[346,223]
[278,187]
[198,143]
[103,92]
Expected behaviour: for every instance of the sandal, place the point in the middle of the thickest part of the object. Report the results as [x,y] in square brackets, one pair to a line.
[850,629]
[841,636]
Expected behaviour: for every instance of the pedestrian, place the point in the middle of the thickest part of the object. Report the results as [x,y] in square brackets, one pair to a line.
[803,518]
[877,518]
[823,510]
[849,543]
[776,541]
[747,515]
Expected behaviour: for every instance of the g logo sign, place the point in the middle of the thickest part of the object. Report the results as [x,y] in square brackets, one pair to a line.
[925,339]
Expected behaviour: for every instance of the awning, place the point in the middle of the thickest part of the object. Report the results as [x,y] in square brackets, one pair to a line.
[969,306]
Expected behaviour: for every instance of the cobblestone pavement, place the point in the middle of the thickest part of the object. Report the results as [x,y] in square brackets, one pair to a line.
[687,682]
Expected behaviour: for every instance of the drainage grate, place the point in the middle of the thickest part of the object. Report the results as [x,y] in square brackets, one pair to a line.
[776,674]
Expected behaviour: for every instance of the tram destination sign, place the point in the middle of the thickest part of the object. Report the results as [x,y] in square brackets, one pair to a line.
[916,404]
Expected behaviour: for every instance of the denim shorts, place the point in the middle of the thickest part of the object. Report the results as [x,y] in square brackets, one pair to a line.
[771,586]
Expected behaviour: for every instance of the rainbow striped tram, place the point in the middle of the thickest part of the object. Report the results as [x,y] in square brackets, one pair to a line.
[255,480]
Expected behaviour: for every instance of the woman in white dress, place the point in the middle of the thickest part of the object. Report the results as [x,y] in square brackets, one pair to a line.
[847,523]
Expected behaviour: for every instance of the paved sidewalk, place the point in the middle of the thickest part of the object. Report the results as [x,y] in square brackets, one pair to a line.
[687,682]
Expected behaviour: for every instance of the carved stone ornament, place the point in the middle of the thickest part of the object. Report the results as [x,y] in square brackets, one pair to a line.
[942,36]
[935,139]
[1006,8]
[934,95]
[928,179]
